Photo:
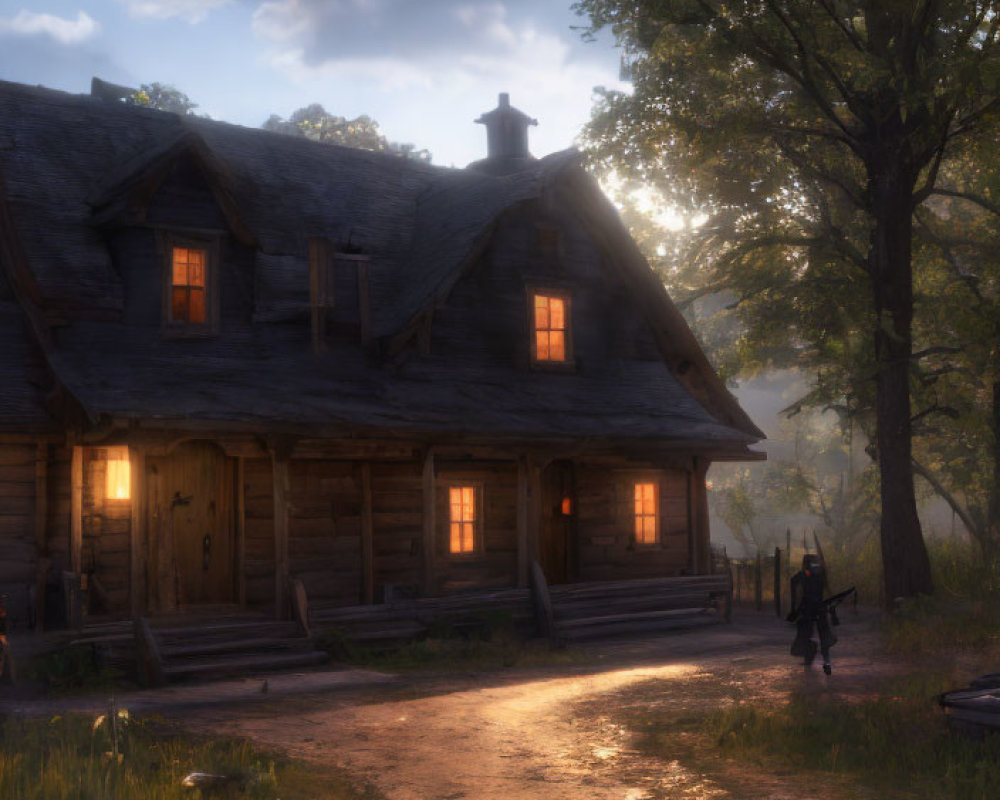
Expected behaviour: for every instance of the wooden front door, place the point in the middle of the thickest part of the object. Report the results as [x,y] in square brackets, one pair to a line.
[191,550]
[558,511]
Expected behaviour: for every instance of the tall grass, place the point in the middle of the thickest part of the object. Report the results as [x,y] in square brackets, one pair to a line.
[898,742]
[74,757]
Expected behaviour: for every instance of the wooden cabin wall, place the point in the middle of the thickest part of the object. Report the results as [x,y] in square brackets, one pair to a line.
[258,490]
[59,508]
[324,530]
[606,548]
[495,565]
[397,525]
[17,526]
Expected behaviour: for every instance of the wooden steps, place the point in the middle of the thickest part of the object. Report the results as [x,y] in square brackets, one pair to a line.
[177,648]
[617,608]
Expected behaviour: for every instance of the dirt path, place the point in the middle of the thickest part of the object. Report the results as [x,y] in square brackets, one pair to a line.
[554,733]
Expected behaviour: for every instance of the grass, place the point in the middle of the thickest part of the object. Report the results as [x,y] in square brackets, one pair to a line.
[77,757]
[898,742]
[894,742]
[494,646]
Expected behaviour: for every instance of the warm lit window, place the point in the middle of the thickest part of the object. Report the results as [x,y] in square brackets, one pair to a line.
[463,518]
[646,516]
[119,482]
[551,328]
[188,286]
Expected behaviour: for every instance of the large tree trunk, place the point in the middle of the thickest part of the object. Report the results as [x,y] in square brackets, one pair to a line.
[905,564]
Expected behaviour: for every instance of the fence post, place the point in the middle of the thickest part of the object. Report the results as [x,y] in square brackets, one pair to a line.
[777,581]
[758,580]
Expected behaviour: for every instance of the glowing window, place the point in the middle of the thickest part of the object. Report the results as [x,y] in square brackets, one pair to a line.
[187,286]
[646,513]
[462,518]
[119,480]
[551,328]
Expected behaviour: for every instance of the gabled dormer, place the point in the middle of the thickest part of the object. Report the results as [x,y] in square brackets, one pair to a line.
[180,190]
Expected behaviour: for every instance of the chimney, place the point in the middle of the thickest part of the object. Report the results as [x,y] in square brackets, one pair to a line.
[506,137]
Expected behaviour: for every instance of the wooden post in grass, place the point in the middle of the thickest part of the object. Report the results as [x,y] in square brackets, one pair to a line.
[777,581]
[758,588]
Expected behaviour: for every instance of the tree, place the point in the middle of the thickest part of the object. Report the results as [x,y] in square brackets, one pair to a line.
[811,131]
[314,122]
[162,96]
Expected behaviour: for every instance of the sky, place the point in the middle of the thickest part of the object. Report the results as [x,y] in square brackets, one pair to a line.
[423,69]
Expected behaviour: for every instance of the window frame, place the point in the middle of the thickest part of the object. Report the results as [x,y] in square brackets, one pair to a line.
[657,514]
[568,363]
[181,328]
[477,520]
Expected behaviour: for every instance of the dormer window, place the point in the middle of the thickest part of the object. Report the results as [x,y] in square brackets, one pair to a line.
[187,286]
[190,304]
[551,341]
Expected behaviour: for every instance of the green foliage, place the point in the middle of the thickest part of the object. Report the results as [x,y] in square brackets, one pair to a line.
[73,756]
[314,122]
[162,96]
[806,133]
[70,669]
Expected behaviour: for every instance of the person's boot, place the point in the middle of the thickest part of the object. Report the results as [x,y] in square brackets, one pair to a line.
[827,668]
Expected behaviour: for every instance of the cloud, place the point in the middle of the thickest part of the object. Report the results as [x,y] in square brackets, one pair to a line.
[193,11]
[64,31]
[335,30]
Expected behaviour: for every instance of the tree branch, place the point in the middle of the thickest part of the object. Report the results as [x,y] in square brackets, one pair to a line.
[948,497]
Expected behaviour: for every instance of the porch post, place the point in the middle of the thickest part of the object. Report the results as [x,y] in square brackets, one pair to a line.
[429,523]
[76,511]
[137,530]
[42,559]
[367,537]
[279,469]
[522,521]
[701,534]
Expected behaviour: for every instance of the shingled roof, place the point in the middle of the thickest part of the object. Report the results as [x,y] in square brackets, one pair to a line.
[71,164]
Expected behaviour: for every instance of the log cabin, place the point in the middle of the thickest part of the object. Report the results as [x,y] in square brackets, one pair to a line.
[235,359]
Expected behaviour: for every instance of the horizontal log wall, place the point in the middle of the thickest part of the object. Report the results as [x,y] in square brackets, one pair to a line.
[259,544]
[495,564]
[605,528]
[397,526]
[18,550]
[324,530]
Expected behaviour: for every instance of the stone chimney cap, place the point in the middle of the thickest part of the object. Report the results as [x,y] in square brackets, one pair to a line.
[506,135]
[505,109]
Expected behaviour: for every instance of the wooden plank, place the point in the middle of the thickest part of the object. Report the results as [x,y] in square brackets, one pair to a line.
[137,531]
[367,536]
[429,523]
[280,490]
[241,532]
[76,511]
[522,522]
